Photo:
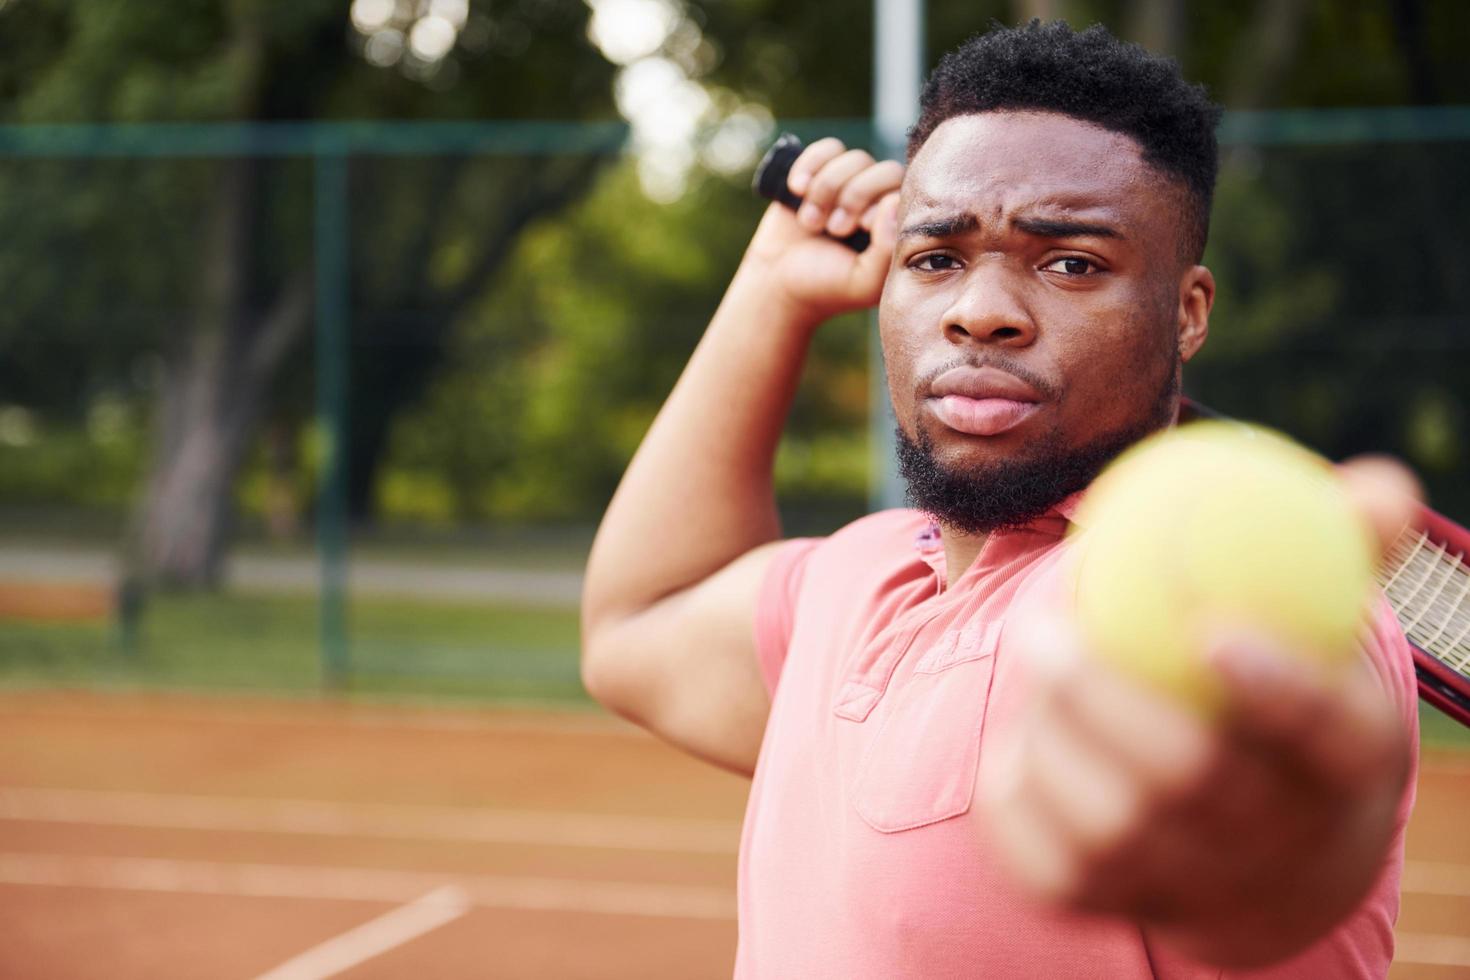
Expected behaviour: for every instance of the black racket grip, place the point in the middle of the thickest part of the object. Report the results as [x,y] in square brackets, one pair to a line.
[770,183]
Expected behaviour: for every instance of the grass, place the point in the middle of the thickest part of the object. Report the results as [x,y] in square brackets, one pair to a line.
[399,647]
[550,547]
[271,643]
[1438,730]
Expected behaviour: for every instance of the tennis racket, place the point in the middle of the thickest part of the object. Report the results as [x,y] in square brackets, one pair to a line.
[1427,581]
[1424,573]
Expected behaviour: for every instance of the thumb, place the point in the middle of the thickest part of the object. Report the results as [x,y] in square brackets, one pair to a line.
[1385,492]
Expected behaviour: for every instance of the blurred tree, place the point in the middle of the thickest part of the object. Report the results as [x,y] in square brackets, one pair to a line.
[546,435]
[253,60]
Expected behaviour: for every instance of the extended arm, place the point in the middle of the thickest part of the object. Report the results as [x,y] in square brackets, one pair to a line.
[1239,842]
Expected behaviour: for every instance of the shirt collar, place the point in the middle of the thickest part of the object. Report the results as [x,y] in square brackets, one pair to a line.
[930,545]
[1068,507]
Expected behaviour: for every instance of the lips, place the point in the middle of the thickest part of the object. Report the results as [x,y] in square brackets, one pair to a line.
[982,401]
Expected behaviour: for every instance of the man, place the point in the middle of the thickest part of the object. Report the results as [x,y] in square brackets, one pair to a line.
[943,784]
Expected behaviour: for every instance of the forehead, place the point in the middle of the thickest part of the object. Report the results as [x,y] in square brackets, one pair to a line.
[998,163]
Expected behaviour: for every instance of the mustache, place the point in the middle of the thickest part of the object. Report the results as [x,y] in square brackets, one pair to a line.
[1001,362]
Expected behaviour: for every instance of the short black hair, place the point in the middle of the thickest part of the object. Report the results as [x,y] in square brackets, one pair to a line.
[1091,76]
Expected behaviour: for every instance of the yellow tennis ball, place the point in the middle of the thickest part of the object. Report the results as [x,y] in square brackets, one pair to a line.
[1217,523]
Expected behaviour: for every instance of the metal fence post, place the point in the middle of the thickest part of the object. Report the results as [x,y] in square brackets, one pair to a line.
[898,71]
[332,311]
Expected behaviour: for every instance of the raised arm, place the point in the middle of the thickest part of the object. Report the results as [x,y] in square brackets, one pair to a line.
[672,581]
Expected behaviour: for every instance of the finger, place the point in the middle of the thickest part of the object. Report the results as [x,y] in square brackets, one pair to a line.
[1028,845]
[1239,795]
[1093,800]
[826,184]
[1339,728]
[872,264]
[810,160]
[1167,748]
[1166,745]
[1385,491]
[1186,871]
[858,195]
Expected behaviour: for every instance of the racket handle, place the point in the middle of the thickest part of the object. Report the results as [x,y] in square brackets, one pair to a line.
[770,183]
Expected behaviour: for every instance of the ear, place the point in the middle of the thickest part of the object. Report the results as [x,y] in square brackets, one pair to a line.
[1196,297]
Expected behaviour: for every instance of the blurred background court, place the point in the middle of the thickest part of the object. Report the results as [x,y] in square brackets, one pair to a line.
[327,329]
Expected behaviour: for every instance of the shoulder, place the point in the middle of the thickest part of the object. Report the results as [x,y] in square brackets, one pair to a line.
[896,529]
[820,579]
[872,549]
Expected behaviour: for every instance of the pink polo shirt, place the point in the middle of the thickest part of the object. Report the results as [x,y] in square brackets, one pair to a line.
[858,858]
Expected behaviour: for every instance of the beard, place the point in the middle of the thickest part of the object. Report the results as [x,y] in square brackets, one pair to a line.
[1013,492]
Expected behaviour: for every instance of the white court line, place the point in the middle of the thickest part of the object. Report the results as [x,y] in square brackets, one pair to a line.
[393,821]
[1425,949]
[1436,878]
[484,891]
[365,884]
[375,937]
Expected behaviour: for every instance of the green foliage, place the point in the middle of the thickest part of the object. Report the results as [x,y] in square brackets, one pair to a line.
[94,465]
[559,371]
[113,267]
[95,269]
[1343,54]
[195,60]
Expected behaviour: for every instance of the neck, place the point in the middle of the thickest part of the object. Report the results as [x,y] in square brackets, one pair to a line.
[960,552]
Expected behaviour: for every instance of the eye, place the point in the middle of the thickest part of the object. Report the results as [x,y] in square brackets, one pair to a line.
[1072,265]
[935,262]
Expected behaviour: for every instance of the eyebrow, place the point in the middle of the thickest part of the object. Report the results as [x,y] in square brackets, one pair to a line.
[1053,228]
[959,224]
[962,224]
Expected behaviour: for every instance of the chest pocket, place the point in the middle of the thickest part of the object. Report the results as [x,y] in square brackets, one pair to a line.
[920,768]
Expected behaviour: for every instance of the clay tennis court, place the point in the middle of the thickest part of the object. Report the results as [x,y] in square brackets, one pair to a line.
[213,837]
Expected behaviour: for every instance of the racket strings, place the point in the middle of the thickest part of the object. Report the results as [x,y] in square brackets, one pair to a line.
[1428,588]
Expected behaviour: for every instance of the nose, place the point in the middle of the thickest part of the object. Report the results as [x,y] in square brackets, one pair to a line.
[988,309]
